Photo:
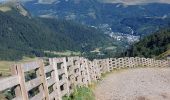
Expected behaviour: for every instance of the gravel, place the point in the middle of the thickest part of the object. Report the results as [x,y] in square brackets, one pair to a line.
[135,84]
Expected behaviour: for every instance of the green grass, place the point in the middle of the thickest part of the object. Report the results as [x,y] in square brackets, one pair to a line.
[113,71]
[81,93]
[110,48]
[96,50]
[64,53]
[163,55]
[2,96]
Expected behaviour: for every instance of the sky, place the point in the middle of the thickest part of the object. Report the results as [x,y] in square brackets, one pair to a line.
[3,0]
[126,2]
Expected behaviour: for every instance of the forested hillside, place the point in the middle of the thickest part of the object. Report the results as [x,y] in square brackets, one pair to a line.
[152,45]
[87,38]
[24,36]
[137,19]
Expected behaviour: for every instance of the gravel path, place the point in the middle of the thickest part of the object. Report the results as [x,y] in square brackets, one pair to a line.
[135,84]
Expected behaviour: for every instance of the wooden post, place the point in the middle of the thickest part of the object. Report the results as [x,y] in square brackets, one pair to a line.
[43,87]
[57,86]
[66,74]
[18,87]
[21,76]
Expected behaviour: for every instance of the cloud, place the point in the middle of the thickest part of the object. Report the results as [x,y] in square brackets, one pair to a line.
[41,1]
[46,1]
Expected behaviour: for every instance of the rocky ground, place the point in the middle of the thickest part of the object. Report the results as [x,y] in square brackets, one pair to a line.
[135,84]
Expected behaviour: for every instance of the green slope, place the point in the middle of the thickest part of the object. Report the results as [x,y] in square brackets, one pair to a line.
[152,46]
[164,55]
[25,36]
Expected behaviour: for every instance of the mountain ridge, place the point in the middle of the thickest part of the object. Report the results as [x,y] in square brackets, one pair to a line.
[157,44]
[100,15]
[24,36]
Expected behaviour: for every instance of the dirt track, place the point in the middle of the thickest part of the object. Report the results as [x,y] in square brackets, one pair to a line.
[135,84]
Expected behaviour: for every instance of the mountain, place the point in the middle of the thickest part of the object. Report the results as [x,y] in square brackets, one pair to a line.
[11,4]
[135,2]
[153,45]
[22,35]
[112,18]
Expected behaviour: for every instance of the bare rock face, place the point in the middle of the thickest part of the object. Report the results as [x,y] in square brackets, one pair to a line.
[136,84]
[14,4]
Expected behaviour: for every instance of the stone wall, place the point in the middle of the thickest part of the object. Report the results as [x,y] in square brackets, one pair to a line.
[57,77]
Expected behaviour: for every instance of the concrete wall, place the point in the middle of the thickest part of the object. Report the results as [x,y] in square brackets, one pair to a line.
[58,77]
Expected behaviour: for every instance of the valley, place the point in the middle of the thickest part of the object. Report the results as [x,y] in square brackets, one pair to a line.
[28,36]
[125,24]
[142,19]
[84,49]
[70,26]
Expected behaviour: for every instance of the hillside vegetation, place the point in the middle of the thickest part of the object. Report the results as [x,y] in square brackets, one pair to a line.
[164,55]
[142,19]
[26,36]
[152,46]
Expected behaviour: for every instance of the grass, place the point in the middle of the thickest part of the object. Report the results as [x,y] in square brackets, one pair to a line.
[110,48]
[93,85]
[5,65]
[2,96]
[5,71]
[163,55]
[86,93]
[103,75]
[27,59]
[5,68]
[64,53]
[96,50]
[81,93]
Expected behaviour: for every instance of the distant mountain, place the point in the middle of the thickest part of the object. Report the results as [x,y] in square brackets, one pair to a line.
[136,20]
[152,46]
[135,2]
[22,35]
[8,5]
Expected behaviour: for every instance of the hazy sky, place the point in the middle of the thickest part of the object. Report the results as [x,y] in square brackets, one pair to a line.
[127,2]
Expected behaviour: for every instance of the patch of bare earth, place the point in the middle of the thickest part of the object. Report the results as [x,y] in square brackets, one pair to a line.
[135,84]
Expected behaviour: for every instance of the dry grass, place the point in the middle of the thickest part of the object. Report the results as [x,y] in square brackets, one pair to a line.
[5,65]
[64,53]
